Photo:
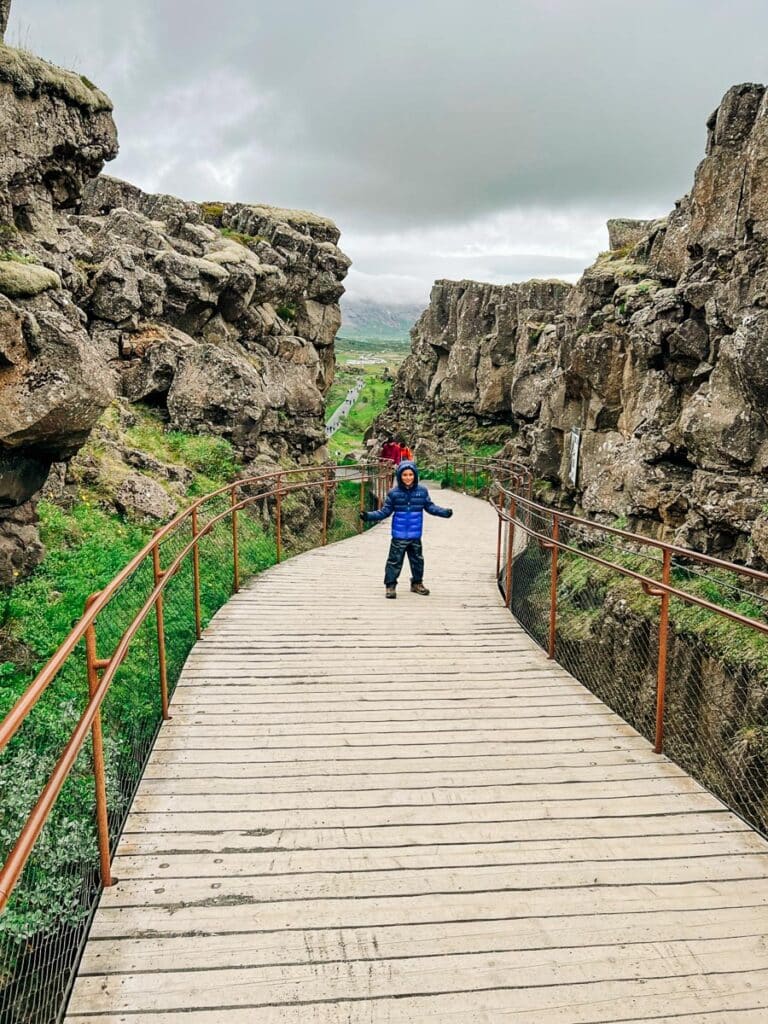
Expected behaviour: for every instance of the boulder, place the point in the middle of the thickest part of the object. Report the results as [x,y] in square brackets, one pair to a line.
[23,279]
[141,497]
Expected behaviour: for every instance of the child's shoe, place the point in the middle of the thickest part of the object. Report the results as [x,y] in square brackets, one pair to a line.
[419,588]
[391,592]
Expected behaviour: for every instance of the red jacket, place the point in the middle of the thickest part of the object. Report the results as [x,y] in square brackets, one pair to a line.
[391,450]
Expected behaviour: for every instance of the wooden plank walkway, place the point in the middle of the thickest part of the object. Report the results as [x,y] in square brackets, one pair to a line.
[399,811]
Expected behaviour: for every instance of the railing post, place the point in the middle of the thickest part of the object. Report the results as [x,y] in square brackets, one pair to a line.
[498,544]
[196,574]
[99,774]
[279,518]
[510,545]
[235,541]
[553,588]
[161,659]
[661,676]
[325,506]
[464,475]
[363,482]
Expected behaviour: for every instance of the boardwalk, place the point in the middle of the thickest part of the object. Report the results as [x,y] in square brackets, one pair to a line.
[374,811]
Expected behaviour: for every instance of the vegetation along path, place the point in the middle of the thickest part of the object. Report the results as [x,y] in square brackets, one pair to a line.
[368,810]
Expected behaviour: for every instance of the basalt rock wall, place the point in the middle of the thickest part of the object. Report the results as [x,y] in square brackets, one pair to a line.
[657,359]
[223,316]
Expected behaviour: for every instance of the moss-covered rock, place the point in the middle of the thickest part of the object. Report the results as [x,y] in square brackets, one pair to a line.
[30,76]
[21,280]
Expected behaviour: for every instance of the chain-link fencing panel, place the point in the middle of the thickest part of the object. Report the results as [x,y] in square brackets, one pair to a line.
[607,628]
[529,573]
[716,700]
[711,715]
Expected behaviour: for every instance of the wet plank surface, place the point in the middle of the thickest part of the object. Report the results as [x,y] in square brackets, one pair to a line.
[400,811]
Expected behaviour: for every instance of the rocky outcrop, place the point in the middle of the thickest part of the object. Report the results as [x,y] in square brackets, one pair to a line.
[480,358]
[221,315]
[57,130]
[657,359]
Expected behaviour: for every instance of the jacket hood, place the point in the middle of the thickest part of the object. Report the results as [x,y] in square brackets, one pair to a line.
[406,464]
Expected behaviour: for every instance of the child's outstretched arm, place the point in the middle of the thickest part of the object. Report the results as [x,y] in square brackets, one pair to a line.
[375,517]
[436,510]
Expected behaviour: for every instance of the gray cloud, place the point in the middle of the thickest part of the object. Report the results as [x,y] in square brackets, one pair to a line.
[406,118]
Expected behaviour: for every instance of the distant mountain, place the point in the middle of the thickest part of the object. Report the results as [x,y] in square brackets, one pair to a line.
[364,319]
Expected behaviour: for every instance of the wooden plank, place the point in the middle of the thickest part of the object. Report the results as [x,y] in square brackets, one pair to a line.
[370,811]
[556,831]
[267,987]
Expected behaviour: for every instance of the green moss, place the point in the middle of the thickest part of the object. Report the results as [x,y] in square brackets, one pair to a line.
[23,278]
[238,236]
[28,75]
[212,213]
[534,334]
[288,311]
[733,644]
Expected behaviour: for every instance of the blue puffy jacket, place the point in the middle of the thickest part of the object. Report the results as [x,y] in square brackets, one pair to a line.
[409,505]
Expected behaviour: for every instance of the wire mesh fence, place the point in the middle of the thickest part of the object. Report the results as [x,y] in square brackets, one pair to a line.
[197,563]
[695,685]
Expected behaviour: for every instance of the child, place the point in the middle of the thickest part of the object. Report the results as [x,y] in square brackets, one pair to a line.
[409,501]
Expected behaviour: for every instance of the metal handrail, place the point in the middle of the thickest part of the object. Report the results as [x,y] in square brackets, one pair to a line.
[84,629]
[519,515]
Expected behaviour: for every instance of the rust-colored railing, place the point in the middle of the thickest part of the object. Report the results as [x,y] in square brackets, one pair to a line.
[101,671]
[560,575]
[556,571]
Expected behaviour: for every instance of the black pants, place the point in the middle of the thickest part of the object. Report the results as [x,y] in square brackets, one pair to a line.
[397,552]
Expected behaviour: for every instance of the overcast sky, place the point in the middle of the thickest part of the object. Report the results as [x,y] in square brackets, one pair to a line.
[488,139]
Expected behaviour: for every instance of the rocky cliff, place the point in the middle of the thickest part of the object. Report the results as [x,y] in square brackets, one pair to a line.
[222,316]
[657,358]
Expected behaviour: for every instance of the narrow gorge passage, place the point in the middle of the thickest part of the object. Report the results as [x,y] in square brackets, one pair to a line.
[368,810]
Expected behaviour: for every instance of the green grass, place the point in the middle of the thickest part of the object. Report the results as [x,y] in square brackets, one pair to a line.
[12,256]
[288,312]
[370,404]
[735,645]
[342,382]
[213,460]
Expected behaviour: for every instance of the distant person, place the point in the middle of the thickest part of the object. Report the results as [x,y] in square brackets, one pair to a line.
[409,501]
[391,450]
[405,452]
